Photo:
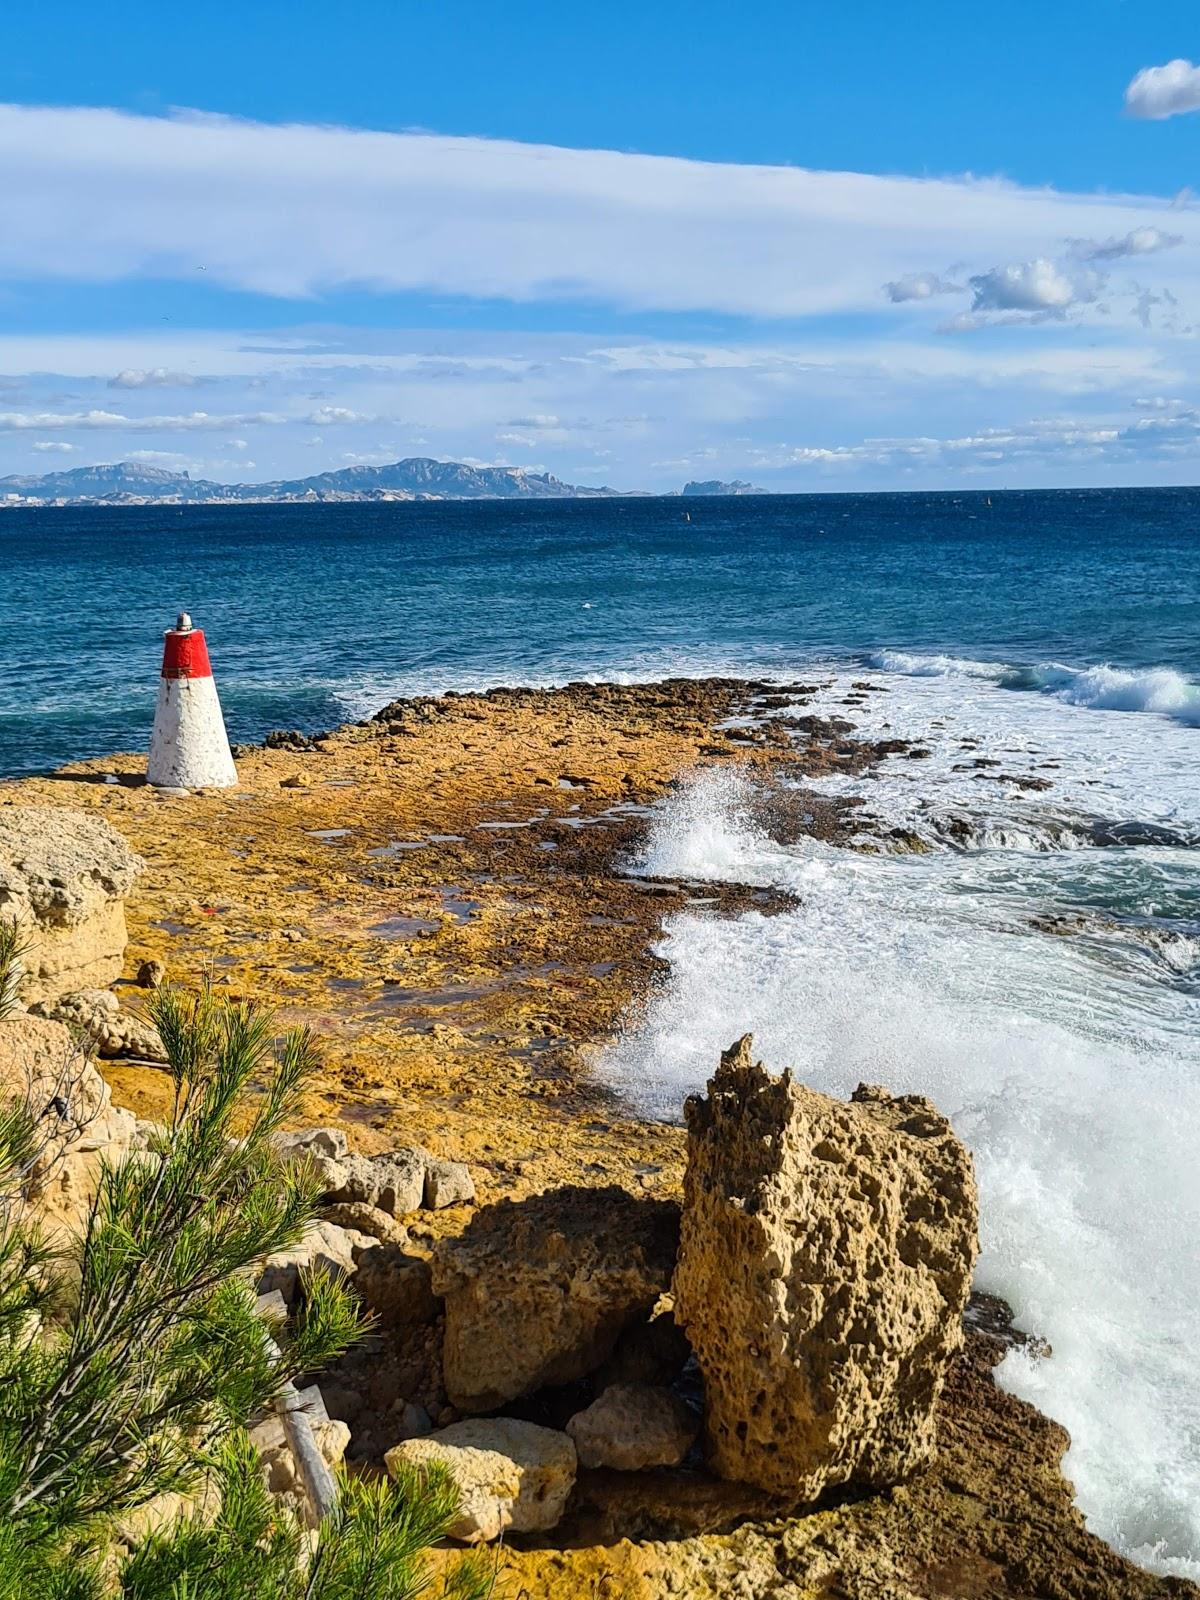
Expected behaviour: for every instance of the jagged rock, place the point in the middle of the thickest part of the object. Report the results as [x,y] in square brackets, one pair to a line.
[356,1214]
[825,1260]
[538,1291]
[324,1248]
[97,1014]
[44,1066]
[395,1287]
[509,1474]
[64,875]
[327,1142]
[447,1183]
[633,1426]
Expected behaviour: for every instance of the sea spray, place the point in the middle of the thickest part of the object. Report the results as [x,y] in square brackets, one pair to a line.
[1072,1072]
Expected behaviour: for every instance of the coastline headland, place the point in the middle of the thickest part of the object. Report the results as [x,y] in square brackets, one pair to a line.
[443,893]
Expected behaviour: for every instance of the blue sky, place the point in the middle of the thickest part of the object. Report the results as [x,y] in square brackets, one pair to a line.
[264,240]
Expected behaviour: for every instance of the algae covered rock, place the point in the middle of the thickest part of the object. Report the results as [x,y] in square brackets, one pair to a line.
[825,1261]
[538,1291]
[64,875]
[509,1474]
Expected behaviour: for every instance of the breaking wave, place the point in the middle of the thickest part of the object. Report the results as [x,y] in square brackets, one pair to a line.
[1160,690]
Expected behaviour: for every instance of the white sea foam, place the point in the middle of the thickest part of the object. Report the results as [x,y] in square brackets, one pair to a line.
[1070,1065]
[1160,690]
[1119,768]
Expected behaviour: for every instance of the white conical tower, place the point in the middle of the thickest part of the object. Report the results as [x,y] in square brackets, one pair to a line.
[188,747]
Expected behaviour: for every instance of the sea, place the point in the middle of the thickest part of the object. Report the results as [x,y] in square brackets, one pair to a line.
[1034,967]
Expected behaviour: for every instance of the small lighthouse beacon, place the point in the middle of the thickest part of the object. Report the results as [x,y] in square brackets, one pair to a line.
[188,747]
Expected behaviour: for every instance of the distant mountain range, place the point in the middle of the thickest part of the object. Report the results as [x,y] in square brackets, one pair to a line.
[130,483]
[418,478]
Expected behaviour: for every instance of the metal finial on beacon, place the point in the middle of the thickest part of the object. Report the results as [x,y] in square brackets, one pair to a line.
[189,748]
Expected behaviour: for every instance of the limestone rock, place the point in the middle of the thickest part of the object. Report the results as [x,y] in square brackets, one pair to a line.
[395,1287]
[64,874]
[509,1474]
[367,1219]
[447,1183]
[633,1426]
[324,1248]
[97,1014]
[538,1291]
[394,1182]
[44,1066]
[327,1142]
[824,1264]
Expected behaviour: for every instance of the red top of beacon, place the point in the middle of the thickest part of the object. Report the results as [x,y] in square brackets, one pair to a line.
[185,654]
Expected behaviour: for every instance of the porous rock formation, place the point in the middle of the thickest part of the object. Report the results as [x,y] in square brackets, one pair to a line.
[42,1066]
[64,875]
[824,1265]
[538,1291]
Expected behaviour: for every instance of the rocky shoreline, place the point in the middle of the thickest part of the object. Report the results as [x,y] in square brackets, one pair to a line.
[439,892]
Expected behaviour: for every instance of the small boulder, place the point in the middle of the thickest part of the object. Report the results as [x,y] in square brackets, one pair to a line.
[824,1264]
[394,1182]
[97,1015]
[324,1248]
[538,1291]
[327,1142]
[367,1219]
[509,1474]
[447,1183]
[633,1426]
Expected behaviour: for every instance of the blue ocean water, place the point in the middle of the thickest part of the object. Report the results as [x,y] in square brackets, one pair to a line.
[316,613]
[1034,967]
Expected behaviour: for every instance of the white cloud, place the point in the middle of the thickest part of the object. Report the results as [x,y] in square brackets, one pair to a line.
[919,286]
[1160,92]
[1042,440]
[1038,286]
[116,422]
[58,446]
[1138,242]
[334,416]
[100,195]
[155,378]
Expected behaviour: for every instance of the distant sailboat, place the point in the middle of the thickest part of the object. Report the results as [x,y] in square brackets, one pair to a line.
[687,516]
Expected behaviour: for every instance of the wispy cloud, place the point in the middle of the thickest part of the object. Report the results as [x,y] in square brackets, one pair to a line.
[139,197]
[919,286]
[1160,92]
[1138,242]
[116,422]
